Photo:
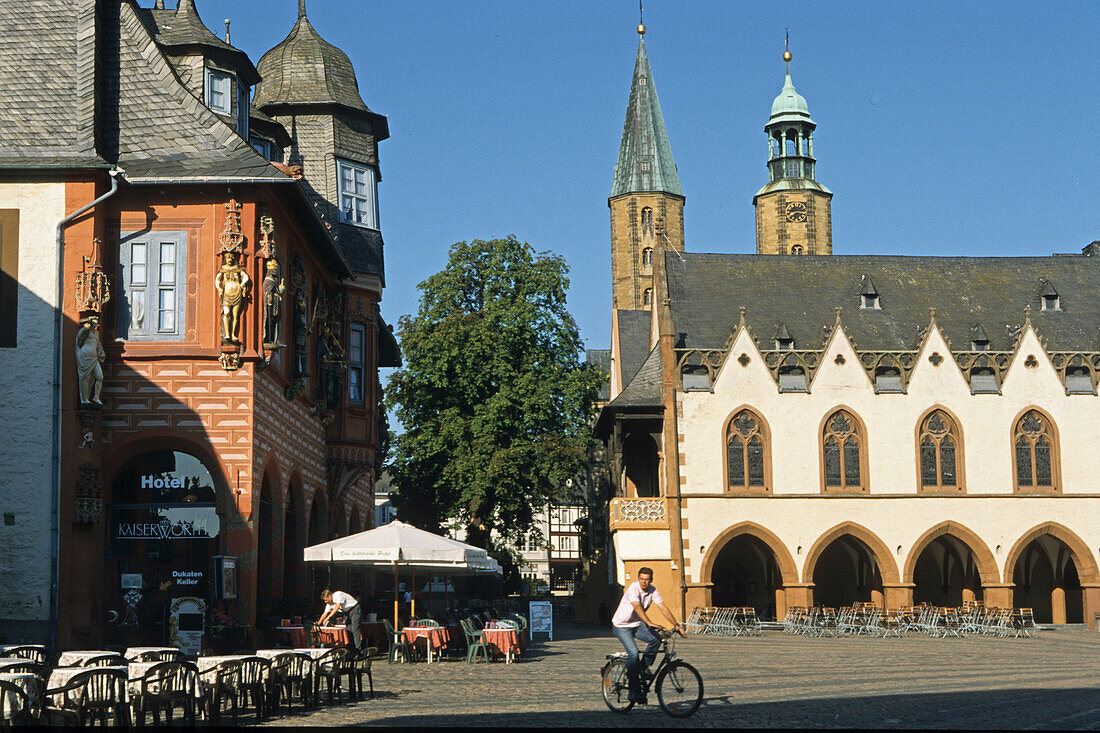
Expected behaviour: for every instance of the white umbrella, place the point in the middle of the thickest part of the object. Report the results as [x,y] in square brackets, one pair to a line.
[401,544]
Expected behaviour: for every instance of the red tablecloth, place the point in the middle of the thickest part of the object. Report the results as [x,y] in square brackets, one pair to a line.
[373,632]
[437,636]
[506,640]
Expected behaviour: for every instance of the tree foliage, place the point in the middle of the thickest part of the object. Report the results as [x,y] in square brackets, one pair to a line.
[494,401]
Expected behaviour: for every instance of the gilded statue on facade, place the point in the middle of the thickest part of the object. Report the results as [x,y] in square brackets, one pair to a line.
[89,359]
[232,284]
[274,288]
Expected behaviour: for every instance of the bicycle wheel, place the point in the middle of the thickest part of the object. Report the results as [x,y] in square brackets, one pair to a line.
[616,690]
[679,689]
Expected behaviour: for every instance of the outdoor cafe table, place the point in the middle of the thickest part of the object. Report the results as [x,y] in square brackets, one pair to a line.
[12,705]
[81,659]
[374,632]
[505,640]
[435,637]
[134,652]
[6,664]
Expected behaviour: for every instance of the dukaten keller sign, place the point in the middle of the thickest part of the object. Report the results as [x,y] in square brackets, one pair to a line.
[170,523]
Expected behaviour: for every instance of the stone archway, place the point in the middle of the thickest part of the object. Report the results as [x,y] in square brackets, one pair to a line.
[850,563]
[747,565]
[1054,572]
[949,565]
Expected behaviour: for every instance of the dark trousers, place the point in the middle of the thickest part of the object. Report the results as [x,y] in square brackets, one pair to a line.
[355,622]
[630,636]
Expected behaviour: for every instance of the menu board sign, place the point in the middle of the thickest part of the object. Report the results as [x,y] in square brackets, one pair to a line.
[542,618]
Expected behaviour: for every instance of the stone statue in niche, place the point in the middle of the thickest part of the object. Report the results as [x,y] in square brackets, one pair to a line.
[301,335]
[89,358]
[274,288]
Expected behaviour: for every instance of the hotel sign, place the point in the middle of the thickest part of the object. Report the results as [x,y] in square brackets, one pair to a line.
[163,530]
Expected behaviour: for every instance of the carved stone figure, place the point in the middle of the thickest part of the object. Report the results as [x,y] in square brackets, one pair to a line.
[274,288]
[89,357]
[232,284]
[301,335]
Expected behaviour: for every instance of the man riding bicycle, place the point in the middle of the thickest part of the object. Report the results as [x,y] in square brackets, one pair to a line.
[630,623]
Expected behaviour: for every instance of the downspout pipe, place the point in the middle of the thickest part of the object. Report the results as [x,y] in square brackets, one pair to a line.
[55,463]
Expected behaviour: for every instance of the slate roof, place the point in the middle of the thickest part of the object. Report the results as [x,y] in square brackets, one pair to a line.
[645,139]
[803,292]
[165,132]
[181,28]
[305,69]
[634,327]
[134,113]
[46,78]
[601,359]
[644,389]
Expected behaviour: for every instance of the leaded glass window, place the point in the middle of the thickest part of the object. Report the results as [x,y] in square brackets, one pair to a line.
[939,443]
[1035,452]
[843,452]
[746,452]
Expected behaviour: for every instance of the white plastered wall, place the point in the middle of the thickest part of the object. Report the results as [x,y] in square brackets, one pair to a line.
[798,513]
[26,405]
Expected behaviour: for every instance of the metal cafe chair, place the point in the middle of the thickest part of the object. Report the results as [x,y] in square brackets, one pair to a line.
[16,706]
[164,687]
[398,644]
[33,652]
[332,667]
[292,672]
[88,694]
[220,683]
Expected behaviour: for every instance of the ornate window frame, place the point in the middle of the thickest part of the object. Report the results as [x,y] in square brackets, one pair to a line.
[858,432]
[954,431]
[1050,432]
[760,430]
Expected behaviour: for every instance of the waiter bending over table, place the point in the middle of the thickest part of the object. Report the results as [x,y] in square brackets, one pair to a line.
[341,601]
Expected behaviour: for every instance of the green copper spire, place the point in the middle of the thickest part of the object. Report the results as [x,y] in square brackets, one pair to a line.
[645,156]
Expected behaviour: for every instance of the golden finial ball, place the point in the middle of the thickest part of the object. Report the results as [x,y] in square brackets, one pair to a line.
[787,56]
[641,29]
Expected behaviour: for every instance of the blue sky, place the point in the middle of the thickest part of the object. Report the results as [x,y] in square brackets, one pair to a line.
[958,128]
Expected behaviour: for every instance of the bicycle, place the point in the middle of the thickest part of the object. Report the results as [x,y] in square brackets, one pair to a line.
[678,685]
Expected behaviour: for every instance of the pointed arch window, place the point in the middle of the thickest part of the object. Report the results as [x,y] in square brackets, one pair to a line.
[939,446]
[647,257]
[843,453]
[647,297]
[1036,453]
[747,453]
[647,214]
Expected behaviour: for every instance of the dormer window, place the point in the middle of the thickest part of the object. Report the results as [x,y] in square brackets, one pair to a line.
[695,379]
[888,379]
[868,296]
[1079,381]
[262,146]
[358,194]
[219,92]
[242,110]
[1049,300]
[793,379]
[978,340]
[983,380]
[645,166]
[783,339]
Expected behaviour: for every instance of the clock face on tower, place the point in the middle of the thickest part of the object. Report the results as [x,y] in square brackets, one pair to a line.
[796,211]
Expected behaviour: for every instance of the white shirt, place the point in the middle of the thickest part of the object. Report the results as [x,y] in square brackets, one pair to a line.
[625,616]
[342,600]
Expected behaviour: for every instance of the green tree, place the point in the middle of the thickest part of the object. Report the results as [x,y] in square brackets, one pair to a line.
[494,401]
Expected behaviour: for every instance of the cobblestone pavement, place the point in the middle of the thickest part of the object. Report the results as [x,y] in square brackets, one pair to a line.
[770,681]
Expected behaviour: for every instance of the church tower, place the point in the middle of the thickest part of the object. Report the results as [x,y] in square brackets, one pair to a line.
[646,202]
[793,211]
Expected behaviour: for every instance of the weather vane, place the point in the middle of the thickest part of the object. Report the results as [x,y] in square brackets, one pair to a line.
[641,19]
